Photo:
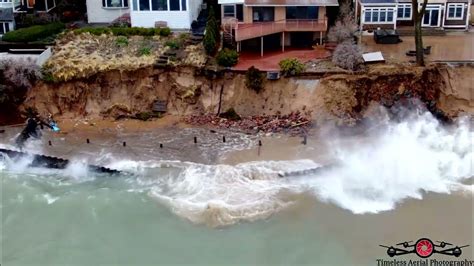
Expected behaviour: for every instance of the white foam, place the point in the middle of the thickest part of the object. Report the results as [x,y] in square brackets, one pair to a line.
[78,170]
[407,159]
[223,195]
[50,199]
[401,161]
[375,173]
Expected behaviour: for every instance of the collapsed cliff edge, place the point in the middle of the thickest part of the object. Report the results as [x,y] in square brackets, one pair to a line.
[343,97]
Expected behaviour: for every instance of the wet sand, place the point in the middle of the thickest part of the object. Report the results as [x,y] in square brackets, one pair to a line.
[142,140]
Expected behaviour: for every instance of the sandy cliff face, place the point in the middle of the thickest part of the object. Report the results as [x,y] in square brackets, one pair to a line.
[189,91]
[457,96]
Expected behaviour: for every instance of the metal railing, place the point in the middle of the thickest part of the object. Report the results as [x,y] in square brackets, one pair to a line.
[245,31]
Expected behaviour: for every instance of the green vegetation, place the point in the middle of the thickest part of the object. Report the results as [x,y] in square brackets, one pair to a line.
[227,57]
[121,41]
[94,31]
[254,79]
[211,37]
[173,44]
[47,76]
[145,50]
[291,67]
[34,33]
[163,32]
[121,31]
[179,42]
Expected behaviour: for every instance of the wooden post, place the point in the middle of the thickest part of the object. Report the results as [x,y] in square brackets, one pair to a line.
[356,10]
[261,46]
[321,38]
[283,41]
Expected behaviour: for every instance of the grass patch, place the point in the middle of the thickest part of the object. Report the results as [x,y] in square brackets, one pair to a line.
[121,41]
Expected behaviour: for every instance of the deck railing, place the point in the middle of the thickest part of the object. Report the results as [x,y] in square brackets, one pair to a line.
[245,31]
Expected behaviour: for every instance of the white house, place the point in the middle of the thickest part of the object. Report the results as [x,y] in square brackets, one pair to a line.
[106,11]
[178,14]
[391,14]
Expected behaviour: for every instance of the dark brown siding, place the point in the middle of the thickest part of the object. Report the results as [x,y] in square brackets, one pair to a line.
[404,22]
[371,27]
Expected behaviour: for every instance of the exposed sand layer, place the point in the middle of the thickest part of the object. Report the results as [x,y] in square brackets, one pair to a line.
[457,96]
[341,97]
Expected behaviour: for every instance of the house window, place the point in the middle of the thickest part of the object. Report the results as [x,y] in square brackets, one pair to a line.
[114,3]
[375,15]
[404,12]
[229,11]
[51,4]
[263,14]
[233,11]
[239,12]
[174,5]
[144,4]
[302,12]
[368,15]
[159,5]
[4,27]
[378,15]
[455,11]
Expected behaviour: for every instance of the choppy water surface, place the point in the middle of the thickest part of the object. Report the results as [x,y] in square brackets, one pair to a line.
[168,210]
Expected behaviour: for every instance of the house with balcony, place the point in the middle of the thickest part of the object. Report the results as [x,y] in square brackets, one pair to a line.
[270,24]
[393,14]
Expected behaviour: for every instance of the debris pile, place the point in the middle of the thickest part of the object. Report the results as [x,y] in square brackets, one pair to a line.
[294,123]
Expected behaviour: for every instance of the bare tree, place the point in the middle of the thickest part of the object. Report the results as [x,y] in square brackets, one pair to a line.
[345,25]
[417,19]
[348,56]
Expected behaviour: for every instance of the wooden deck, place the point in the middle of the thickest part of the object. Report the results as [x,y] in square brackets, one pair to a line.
[245,31]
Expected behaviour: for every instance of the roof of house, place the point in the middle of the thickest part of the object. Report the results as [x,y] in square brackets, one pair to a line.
[378,1]
[6,14]
[291,2]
